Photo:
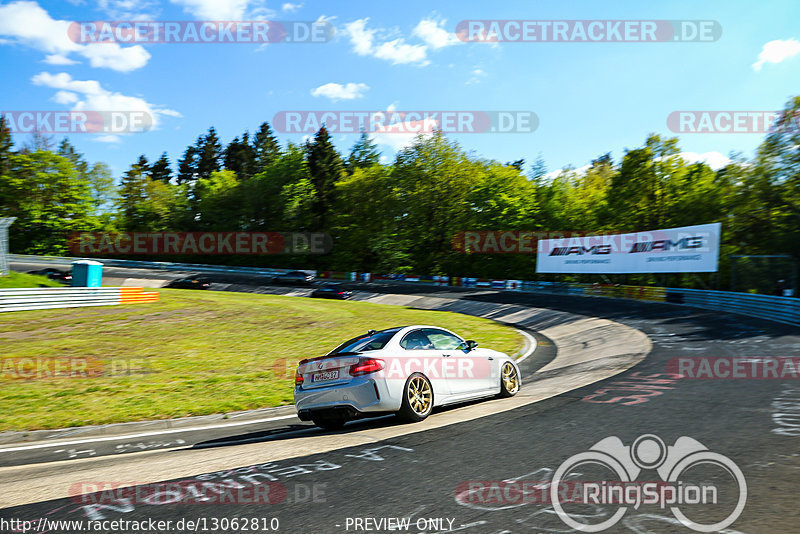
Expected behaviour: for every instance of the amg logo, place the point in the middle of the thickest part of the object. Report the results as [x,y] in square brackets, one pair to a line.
[580,251]
[666,244]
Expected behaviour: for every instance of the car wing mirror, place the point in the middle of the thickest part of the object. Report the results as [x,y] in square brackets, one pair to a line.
[470,345]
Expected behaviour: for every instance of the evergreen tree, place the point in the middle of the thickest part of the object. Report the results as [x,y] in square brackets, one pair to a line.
[143,164]
[6,144]
[209,154]
[240,156]
[160,169]
[363,154]
[325,167]
[266,148]
[187,166]
[68,151]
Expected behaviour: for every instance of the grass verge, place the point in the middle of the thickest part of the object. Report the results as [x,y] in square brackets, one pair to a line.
[22,280]
[202,352]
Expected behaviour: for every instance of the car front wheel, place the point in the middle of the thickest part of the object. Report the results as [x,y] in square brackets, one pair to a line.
[509,380]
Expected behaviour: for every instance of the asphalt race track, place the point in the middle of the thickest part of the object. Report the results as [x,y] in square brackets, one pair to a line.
[465,477]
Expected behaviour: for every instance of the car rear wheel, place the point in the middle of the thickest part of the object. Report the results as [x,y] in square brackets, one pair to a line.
[329,422]
[509,380]
[417,399]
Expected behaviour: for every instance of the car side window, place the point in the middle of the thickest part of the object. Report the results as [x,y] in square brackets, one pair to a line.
[416,340]
[443,340]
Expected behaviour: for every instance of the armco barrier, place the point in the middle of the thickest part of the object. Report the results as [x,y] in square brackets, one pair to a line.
[43,298]
[158,265]
[780,309]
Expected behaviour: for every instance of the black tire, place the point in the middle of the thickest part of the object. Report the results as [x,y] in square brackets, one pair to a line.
[507,384]
[329,422]
[417,399]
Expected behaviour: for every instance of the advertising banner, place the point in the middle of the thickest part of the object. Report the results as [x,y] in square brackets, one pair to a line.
[689,249]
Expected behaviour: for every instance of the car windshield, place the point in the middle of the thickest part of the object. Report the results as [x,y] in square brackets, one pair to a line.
[367,342]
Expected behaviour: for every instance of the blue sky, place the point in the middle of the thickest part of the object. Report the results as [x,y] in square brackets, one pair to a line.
[590,97]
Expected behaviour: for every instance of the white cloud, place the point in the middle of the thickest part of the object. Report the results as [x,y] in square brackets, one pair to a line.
[113,56]
[777,51]
[432,32]
[360,37]
[226,9]
[289,7]
[58,59]
[27,23]
[713,159]
[397,51]
[65,97]
[337,91]
[95,98]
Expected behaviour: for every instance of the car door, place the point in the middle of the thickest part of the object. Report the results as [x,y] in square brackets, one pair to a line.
[421,356]
[467,373]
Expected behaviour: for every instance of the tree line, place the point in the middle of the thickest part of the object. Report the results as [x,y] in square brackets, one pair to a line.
[400,217]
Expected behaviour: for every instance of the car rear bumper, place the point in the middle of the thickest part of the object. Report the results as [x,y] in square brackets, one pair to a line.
[359,397]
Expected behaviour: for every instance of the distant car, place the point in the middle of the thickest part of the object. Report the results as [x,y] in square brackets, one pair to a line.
[294,278]
[190,282]
[331,291]
[403,370]
[55,274]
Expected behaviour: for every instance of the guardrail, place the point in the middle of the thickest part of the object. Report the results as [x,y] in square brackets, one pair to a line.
[43,298]
[158,265]
[773,308]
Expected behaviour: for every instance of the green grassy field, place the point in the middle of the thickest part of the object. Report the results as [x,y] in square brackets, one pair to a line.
[204,352]
[15,279]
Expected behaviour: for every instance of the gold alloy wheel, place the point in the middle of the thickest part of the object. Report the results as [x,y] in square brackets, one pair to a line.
[510,378]
[420,396]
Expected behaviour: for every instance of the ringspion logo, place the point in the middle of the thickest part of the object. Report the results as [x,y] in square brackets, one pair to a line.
[677,466]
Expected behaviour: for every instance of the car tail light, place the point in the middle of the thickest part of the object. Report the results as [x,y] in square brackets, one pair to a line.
[366,366]
[298,378]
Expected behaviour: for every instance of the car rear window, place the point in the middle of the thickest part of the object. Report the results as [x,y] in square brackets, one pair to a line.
[367,342]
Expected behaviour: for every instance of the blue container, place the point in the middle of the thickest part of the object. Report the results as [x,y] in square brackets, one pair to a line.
[87,273]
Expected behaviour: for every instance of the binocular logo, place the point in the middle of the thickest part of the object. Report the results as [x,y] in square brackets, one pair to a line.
[648,452]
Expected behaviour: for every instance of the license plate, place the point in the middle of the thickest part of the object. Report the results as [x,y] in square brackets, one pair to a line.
[325,375]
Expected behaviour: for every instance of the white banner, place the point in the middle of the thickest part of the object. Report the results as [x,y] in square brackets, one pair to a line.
[689,249]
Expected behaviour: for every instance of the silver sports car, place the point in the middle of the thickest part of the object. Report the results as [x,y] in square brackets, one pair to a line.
[404,370]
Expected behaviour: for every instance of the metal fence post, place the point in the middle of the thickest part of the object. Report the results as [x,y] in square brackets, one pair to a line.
[4,224]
